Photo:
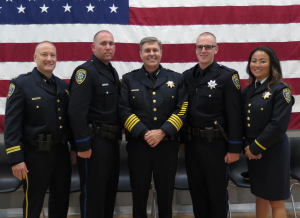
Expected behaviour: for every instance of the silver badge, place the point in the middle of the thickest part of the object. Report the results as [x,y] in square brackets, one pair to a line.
[212,84]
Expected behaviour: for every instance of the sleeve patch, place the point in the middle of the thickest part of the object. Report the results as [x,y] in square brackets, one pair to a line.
[80,76]
[236,81]
[11,90]
[287,94]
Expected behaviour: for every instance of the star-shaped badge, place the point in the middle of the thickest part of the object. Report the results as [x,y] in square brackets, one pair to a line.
[171,84]
[266,95]
[212,84]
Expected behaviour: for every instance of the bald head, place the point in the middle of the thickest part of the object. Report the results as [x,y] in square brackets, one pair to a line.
[100,32]
[45,58]
[209,35]
[42,43]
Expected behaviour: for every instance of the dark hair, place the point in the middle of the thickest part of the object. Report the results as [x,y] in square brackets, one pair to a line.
[275,68]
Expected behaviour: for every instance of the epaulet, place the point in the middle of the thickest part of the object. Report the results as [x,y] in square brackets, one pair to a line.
[133,71]
[171,70]
[22,75]
[227,68]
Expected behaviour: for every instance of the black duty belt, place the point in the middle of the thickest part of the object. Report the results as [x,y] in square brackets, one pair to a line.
[45,142]
[208,133]
[104,131]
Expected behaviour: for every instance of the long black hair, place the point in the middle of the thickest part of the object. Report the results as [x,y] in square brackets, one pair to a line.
[275,75]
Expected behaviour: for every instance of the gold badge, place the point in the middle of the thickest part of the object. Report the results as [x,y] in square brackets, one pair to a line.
[11,90]
[266,95]
[171,84]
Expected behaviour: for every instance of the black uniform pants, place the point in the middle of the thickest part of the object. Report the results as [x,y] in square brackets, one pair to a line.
[162,160]
[207,177]
[99,178]
[47,169]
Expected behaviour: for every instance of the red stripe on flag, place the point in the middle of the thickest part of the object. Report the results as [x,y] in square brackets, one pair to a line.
[214,15]
[129,52]
[294,121]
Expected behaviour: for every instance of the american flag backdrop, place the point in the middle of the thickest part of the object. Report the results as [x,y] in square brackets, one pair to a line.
[239,25]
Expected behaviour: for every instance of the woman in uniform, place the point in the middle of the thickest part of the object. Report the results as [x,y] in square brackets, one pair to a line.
[267,110]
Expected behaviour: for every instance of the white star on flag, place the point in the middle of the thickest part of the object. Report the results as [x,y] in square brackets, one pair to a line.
[8,0]
[0,8]
[90,8]
[21,9]
[44,8]
[113,8]
[67,8]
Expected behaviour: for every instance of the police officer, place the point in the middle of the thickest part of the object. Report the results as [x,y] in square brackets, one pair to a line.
[267,110]
[94,119]
[214,95]
[36,127]
[153,104]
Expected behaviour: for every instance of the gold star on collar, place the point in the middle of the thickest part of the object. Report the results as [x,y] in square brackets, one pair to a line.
[171,84]
[266,95]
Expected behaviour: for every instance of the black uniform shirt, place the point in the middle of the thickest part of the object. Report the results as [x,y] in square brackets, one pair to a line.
[143,107]
[34,108]
[267,114]
[94,97]
[217,97]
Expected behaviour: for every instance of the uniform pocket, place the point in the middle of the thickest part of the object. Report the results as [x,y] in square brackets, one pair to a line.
[35,112]
[211,100]
[105,96]
[169,101]
[136,99]
[262,113]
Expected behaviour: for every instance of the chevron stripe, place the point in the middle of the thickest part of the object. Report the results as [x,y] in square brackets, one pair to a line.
[13,149]
[131,122]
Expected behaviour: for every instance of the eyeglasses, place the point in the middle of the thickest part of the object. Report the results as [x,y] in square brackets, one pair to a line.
[207,47]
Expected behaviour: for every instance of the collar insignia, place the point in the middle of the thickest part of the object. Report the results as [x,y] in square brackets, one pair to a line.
[212,84]
[68,94]
[266,95]
[171,84]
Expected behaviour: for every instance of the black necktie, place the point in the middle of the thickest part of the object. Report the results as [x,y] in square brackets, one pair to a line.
[52,85]
[257,84]
[151,79]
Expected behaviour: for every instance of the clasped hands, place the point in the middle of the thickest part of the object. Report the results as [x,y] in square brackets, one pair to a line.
[250,155]
[153,137]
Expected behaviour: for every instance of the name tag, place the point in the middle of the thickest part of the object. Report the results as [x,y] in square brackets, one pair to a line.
[105,84]
[135,90]
[36,98]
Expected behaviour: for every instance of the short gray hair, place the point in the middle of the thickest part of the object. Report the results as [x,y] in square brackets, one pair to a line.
[150,39]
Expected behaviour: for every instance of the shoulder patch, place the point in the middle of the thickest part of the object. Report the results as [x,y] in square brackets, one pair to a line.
[287,94]
[11,90]
[80,76]
[236,81]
